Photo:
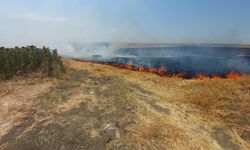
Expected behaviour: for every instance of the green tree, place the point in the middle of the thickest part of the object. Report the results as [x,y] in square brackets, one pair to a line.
[24,60]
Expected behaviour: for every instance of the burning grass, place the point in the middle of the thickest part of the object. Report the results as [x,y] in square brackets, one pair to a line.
[162,72]
[159,71]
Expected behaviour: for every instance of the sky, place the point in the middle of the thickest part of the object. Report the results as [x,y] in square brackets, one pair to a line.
[59,23]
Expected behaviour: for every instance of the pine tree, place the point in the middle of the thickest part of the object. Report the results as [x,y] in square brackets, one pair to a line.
[24,60]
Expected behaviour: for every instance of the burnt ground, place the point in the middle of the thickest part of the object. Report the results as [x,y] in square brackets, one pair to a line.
[102,111]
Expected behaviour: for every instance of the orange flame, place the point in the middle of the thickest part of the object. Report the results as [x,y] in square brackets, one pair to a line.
[140,69]
[163,72]
[201,77]
[153,70]
[177,75]
[233,75]
[128,66]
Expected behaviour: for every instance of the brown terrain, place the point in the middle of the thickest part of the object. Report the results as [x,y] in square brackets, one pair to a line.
[96,106]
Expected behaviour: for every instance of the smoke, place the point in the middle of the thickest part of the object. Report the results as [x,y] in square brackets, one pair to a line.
[191,59]
[76,50]
[211,60]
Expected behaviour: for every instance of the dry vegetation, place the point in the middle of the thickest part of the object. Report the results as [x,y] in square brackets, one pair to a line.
[17,97]
[102,107]
[208,104]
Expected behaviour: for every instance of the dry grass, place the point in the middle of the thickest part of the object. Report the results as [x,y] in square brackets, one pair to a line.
[150,135]
[166,113]
[17,95]
[201,105]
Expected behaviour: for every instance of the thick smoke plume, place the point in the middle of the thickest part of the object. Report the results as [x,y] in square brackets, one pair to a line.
[176,58]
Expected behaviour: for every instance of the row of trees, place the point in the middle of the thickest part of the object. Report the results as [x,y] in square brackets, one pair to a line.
[25,60]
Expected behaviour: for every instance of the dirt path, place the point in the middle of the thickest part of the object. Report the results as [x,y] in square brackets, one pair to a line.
[103,110]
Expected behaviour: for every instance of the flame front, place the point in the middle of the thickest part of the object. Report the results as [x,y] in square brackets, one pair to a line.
[159,71]
[163,72]
[233,75]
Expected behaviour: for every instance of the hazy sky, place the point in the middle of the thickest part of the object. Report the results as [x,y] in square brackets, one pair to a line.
[60,22]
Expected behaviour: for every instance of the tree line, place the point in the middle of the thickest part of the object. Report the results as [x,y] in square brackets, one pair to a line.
[25,60]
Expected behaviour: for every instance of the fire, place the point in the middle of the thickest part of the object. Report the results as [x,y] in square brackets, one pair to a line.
[159,71]
[233,75]
[128,66]
[177,75]
[153,70]
[201,77]
[141,69]
[163,72]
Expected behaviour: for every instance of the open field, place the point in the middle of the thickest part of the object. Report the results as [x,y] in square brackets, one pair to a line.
[102,107]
